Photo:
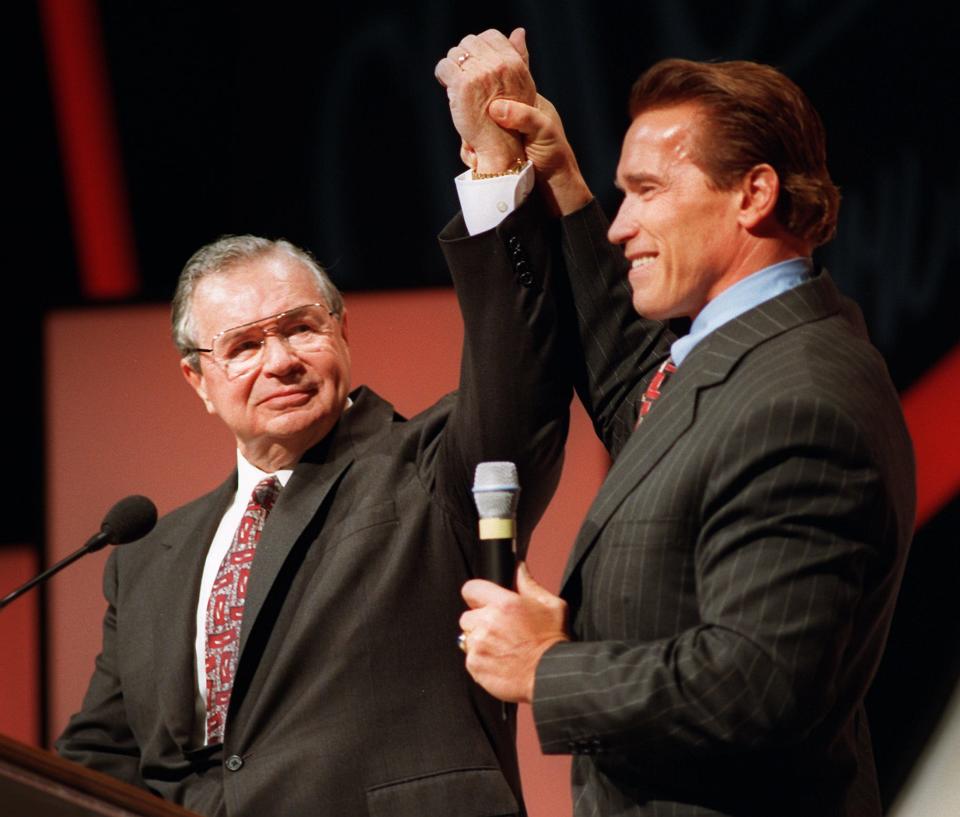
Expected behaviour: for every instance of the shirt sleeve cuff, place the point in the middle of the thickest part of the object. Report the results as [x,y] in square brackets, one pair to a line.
[487,202]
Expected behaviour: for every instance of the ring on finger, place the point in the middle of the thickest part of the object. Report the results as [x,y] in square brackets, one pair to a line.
[462,59]
[462,642]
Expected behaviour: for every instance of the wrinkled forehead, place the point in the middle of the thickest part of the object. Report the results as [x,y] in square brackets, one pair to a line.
[252,290]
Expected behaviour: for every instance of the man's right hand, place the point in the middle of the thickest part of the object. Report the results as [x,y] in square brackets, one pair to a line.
[546,145]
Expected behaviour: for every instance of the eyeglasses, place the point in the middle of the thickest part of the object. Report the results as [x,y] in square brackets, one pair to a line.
[239,350]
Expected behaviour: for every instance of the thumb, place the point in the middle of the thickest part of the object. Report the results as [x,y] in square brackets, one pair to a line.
[530,587]
[518,39]
[513,115]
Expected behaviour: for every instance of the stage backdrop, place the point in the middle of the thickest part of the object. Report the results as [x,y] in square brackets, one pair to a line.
[151,128]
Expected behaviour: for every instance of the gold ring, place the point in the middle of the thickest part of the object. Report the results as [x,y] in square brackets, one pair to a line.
[462,642]
[463,58]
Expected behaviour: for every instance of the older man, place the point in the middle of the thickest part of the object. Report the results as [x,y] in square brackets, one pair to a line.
[729,595]
[287,643]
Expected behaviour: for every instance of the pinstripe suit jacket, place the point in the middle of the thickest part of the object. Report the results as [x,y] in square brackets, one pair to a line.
[732,586]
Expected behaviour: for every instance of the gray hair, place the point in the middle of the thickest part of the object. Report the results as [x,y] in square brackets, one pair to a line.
[221,257]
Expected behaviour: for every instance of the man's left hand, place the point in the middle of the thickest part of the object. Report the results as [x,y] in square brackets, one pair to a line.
[482,68]
[507,633]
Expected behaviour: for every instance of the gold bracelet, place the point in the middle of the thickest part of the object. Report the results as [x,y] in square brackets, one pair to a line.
[513,170]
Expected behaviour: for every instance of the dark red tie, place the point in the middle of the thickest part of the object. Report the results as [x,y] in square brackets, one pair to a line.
[652,394]
[225,606]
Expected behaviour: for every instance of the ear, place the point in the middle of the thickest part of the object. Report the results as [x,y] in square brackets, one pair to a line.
[759,191]
[195,379]
[343,326]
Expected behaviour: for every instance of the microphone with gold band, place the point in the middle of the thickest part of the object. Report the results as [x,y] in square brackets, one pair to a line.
[496,489]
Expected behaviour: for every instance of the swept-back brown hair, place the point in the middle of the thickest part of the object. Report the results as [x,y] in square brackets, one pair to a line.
[753,115]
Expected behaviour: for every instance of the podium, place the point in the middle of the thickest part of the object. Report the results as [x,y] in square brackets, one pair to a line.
[34,783]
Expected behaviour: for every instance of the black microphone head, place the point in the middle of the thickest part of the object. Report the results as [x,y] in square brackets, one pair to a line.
[495,490]
[131,518]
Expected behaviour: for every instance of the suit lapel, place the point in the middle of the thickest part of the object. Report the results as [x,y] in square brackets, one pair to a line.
[184,548]
[309,490]
[299,502]
[670,418]
[177,588]
[707,366]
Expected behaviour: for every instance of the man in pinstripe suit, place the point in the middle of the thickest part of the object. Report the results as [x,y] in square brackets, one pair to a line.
[727,600]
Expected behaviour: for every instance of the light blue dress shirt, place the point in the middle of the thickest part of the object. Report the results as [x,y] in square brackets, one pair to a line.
[753,290]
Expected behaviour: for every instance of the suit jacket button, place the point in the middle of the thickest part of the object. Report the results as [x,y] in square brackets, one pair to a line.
[234,763]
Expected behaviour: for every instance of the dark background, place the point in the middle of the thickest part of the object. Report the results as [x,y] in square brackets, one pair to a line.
[327,128]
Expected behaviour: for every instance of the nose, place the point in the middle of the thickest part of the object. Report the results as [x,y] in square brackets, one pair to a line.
[622,227]
[278,358]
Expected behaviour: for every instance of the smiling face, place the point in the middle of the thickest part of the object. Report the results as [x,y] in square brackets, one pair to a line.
[289,402]
[682,237]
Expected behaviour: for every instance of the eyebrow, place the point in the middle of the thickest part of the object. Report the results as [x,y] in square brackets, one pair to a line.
[635,179]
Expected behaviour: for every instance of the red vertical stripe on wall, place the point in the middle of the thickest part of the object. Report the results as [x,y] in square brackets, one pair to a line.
[20,642]
[932,409]
[90,149]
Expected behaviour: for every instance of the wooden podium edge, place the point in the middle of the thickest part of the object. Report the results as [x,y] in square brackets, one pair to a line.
[45,769]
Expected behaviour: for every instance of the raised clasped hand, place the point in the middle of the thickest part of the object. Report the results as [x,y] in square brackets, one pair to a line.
[482,68]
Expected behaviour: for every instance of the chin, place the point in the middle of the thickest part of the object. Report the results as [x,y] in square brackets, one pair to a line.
[646,308]
[297,421]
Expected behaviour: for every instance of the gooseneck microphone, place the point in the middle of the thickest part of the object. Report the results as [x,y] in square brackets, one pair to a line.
[495,493]
[131,518]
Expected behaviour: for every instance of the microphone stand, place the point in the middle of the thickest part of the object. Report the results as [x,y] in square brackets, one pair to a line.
[95,543]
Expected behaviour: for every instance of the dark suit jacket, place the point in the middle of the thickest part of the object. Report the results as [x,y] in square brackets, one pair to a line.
[351,696]
[732,586]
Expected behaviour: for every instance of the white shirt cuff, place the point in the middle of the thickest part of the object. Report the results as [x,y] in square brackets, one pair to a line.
[487,202]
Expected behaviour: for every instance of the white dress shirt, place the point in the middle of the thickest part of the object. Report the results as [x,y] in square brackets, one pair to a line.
[248,476]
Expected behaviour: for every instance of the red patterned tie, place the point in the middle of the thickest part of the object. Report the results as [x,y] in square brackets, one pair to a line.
[225,606]
[652,393]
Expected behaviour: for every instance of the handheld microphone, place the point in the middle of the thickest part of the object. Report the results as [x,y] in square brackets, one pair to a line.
[131,518]
[496,489]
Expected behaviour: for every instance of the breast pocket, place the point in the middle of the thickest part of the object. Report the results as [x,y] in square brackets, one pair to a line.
[359,527]
[639,579]
[363,517]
